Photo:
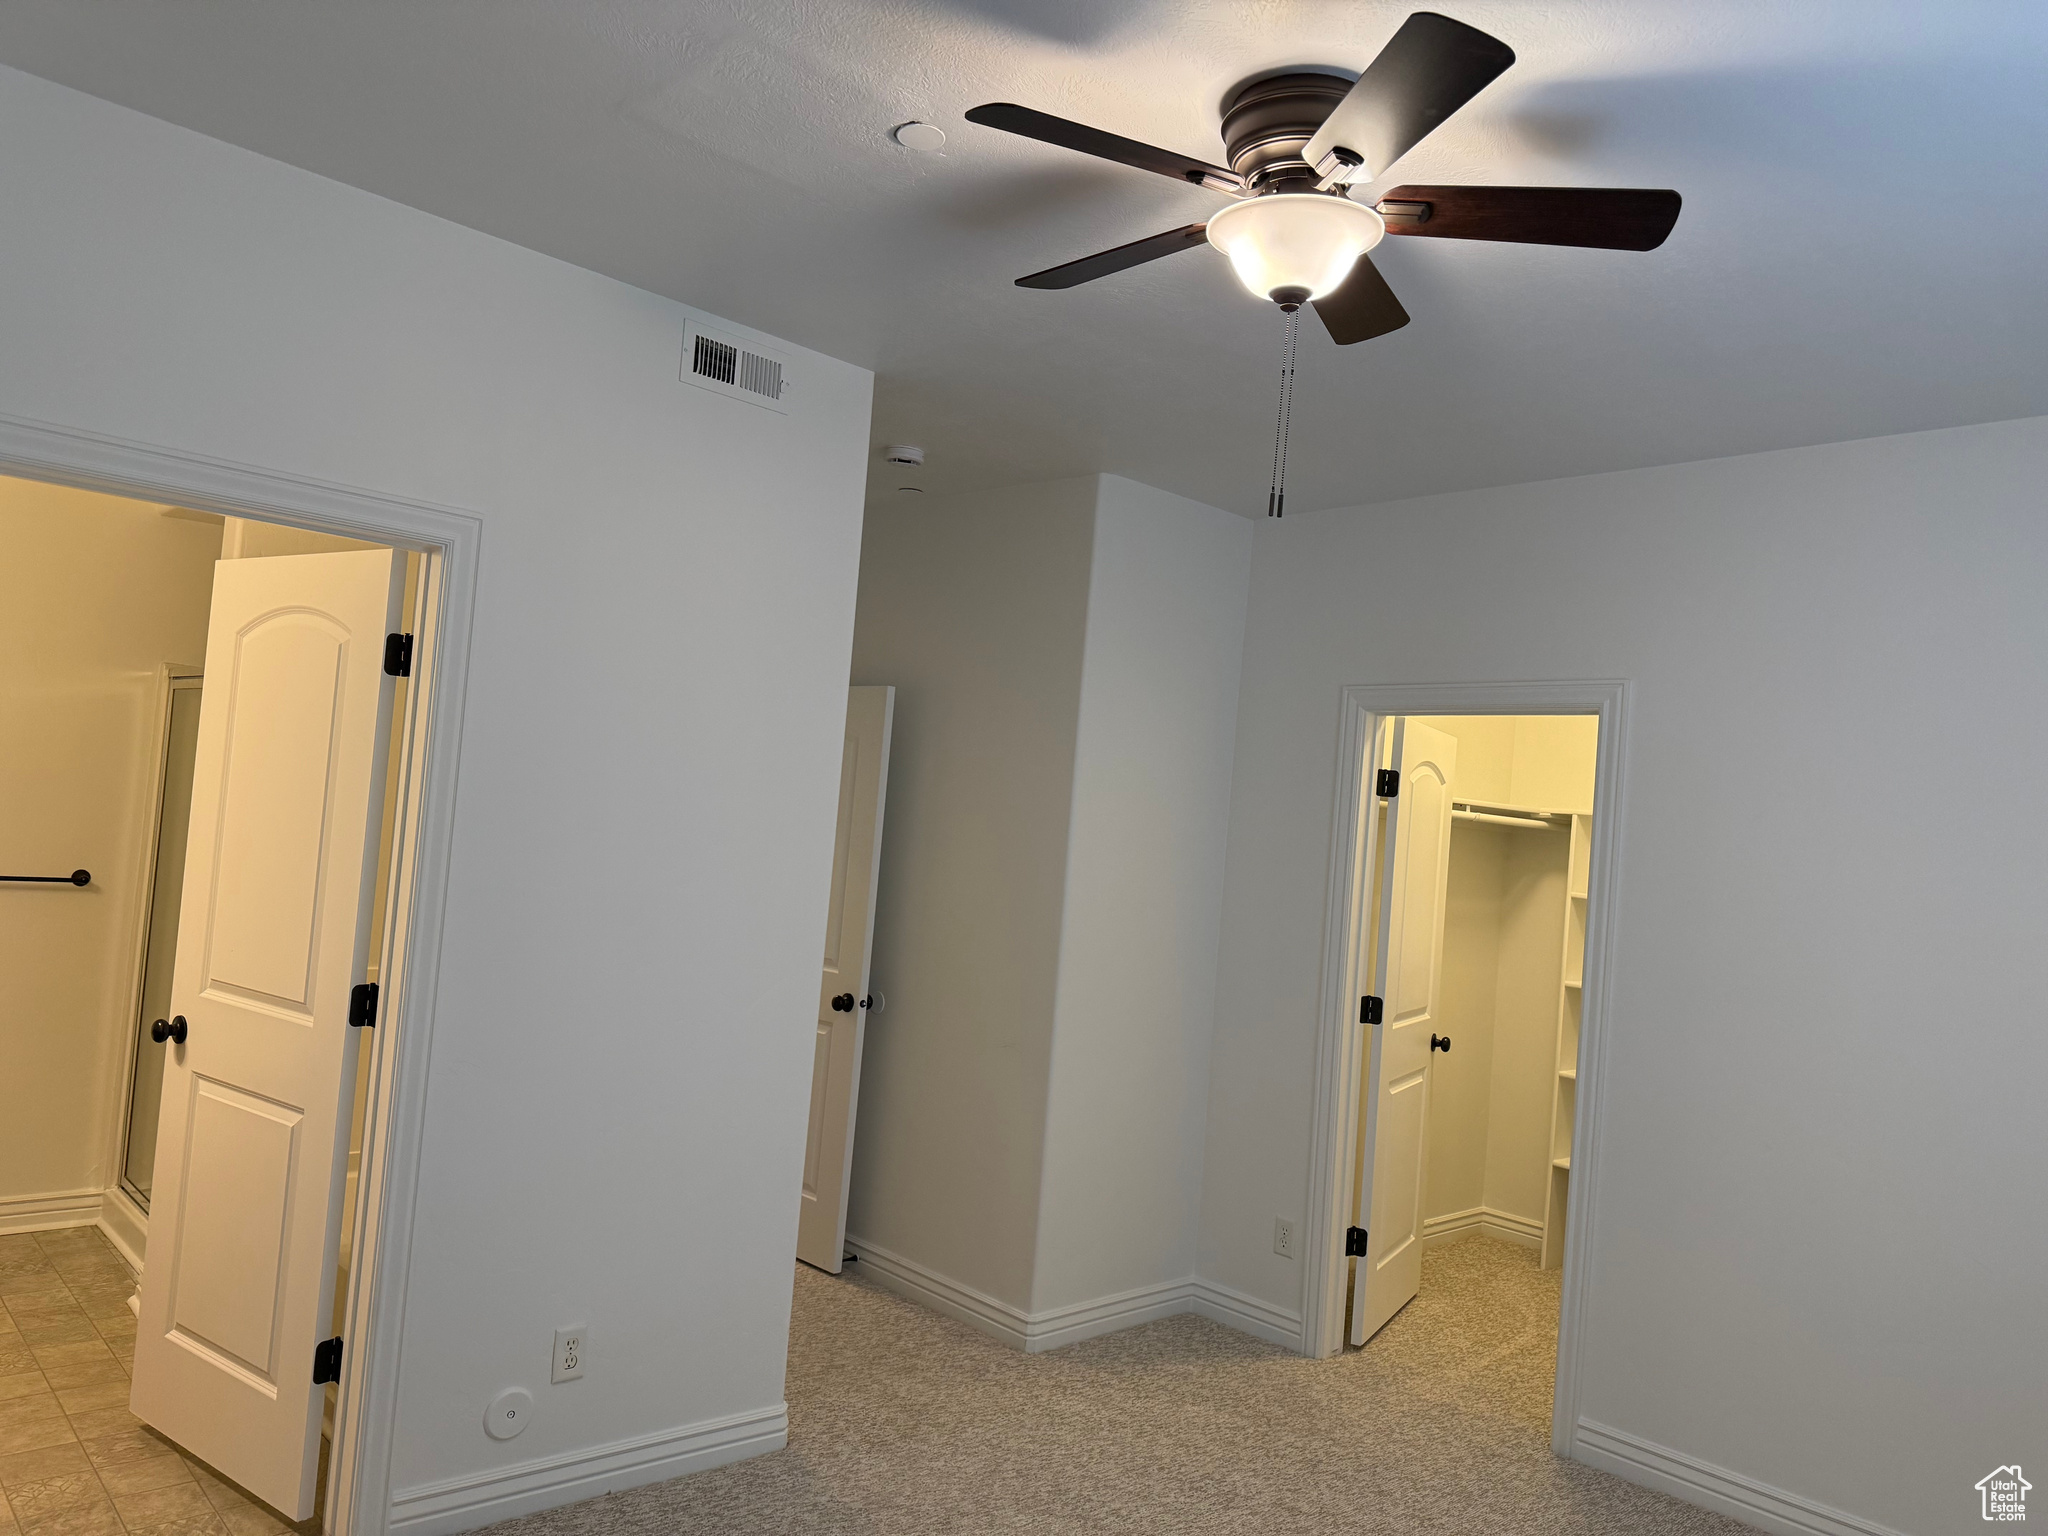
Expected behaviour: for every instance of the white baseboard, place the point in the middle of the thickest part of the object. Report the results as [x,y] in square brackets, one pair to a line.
[963,1303]
[126,1226]
[1716,1488]
[1036,1332]
[1247,1314]
[1505,1225]
[1091,1319]
[44,1213]
[1032,1332]
[464,1503]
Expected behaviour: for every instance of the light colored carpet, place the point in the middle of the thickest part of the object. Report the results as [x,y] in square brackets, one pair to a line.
[906,1423]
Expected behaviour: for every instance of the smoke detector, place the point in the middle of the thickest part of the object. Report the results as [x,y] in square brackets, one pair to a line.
[925,138]
[903,453]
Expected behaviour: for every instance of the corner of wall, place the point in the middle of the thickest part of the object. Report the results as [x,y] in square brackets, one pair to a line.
[975,607]
[1127,1089]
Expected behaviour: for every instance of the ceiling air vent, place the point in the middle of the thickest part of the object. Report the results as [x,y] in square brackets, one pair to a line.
[734,367]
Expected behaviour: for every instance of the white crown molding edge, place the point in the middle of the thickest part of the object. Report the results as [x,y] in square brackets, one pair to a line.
[93,461]
[464,1503]
[1650,1465]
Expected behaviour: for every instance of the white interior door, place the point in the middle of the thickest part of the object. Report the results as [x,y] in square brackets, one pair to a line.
[843,988]
[252,1144]
[1409,967]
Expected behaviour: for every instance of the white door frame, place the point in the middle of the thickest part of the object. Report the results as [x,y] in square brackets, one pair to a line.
[1340,1050]
[450,540]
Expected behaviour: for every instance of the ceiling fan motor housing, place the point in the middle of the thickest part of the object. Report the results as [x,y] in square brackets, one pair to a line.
[1305,142]
[1270,121]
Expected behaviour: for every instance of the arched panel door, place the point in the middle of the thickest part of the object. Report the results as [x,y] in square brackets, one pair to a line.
[273,933]
[1409,981]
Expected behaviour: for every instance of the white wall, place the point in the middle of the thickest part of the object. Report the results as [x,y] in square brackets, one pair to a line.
[976,609]
[1033,1098]
[1461,1081]
[650,747]
[1144,893]
[96,594]
[1554,761]
[1814,1255]
[1527,981]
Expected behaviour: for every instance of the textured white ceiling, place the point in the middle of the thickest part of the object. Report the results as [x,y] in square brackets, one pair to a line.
[1860,251]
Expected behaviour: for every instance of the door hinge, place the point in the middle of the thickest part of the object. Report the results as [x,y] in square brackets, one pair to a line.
[1370,1009]
[362,1005]
[326,1361]
[1386,783]
[398,655]
[1354,1246]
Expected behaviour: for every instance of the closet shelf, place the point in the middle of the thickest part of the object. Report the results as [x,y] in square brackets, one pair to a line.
[1562,1162]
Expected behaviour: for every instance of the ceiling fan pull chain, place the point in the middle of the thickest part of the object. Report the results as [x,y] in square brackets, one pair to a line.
[1276,498]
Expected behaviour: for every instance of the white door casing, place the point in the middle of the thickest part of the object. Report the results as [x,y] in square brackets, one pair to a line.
[1409,968]
[849,946]
[273,935]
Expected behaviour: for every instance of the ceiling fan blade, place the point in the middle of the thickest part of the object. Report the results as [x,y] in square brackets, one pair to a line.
[1609,218]
[1048,129]
[1362,307]
[1072,274]
[1429,69]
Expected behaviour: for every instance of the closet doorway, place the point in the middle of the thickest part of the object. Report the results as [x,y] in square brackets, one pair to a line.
[1469,880]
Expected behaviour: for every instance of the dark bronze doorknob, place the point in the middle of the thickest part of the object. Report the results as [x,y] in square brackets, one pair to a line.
[171,1029]
[843,1003]
[1440,1043]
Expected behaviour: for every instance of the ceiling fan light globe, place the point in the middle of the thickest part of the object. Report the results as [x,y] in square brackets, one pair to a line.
[1301,240]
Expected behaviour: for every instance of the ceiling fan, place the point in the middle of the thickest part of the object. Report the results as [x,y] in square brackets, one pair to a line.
[1298,140]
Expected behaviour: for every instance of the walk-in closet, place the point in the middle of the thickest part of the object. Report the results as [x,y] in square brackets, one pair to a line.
[1501,1097]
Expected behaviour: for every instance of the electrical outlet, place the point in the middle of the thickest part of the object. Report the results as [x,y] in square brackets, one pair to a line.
[569,1344]
[1283,1237]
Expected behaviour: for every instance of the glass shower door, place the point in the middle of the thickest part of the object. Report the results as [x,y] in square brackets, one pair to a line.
[161,946]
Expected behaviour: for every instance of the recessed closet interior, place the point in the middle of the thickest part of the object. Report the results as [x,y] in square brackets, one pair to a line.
[1502,1095]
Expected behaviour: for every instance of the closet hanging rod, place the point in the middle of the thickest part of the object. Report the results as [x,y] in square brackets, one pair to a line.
[76,877]
[1502,821]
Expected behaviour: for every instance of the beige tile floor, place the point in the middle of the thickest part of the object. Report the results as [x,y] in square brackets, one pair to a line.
[73,1460]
